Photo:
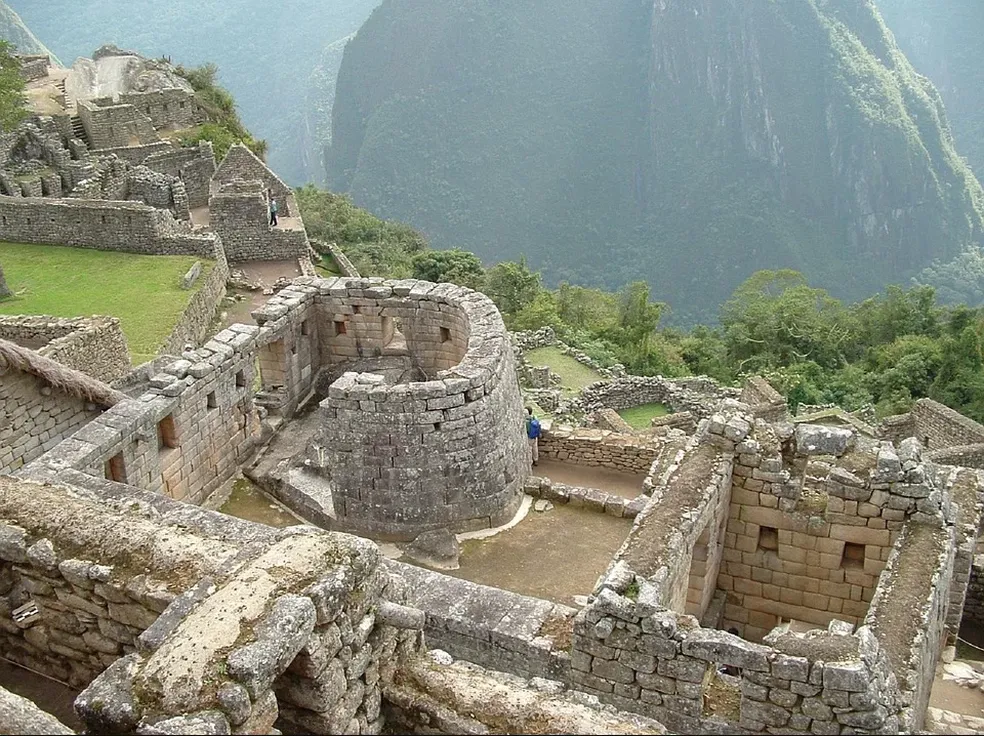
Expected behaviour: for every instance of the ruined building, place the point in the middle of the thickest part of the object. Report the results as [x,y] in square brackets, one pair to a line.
[780,575]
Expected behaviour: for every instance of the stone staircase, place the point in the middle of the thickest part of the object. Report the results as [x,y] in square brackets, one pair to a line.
[78,130]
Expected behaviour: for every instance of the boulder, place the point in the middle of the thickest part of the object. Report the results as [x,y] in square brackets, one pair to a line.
[438,549]
[816,439]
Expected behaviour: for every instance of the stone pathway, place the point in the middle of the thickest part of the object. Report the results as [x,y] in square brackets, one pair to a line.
[948,722]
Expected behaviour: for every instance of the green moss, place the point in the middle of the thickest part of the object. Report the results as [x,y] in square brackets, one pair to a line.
[632,591]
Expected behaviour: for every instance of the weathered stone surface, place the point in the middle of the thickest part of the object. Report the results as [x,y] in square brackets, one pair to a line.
[234,701]
[208,723]
[107,705]
[721,647]
[279,638]
[815,439]
[20,716]
[439,549]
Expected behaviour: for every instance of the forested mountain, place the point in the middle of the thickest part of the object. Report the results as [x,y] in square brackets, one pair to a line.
[689,143]
[269,55]
[12,29]
[943,40]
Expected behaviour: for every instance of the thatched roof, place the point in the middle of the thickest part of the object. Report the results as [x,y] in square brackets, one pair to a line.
[57,375]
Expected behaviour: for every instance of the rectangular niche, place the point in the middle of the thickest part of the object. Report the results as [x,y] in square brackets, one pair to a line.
[768,539]
[853,557]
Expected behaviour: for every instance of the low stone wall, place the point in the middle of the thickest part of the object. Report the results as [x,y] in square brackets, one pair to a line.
[968,456]
[696,395]
[193,166]
[198,316]
[121,226]
[337,254]
[600,448]
[488,626]
[940,427]
[764,400]
[176,108]
[591,499]
[109,125]
[34,67]
[94,345]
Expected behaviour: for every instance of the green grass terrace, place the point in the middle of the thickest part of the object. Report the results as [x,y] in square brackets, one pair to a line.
[143,291]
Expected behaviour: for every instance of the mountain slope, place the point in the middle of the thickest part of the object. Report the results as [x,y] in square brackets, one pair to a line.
[265,51]
[12,29]
[943,41]
[687,143]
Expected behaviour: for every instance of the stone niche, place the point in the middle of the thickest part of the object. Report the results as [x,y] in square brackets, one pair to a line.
[421,422]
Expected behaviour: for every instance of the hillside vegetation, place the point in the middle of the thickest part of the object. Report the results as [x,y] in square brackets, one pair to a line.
[689,144]
[884,351]
[266,53]
[943,41]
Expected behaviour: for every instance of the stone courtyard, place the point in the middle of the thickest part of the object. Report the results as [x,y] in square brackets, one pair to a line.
[769,573]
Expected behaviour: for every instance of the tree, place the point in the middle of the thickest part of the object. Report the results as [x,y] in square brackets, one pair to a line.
[12,99]
[453,266]
[776,319]
[512,286]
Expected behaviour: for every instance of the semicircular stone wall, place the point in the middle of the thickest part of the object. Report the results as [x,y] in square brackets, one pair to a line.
[407,456]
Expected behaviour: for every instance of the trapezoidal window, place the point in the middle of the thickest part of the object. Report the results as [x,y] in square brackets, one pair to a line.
[445,334]
[241,379]
[116,469]
[340,328]
[853,558]
[211,402]
[167,434]
[768,538]
[306,327]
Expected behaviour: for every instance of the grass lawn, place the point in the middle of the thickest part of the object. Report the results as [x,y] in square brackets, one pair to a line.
[640,416]
[143,291]
[573,375]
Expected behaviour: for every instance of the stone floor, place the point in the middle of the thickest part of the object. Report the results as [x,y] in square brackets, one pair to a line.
[948,722]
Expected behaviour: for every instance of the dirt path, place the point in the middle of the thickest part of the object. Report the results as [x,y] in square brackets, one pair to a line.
[948,695]
[626,485]
[554,555]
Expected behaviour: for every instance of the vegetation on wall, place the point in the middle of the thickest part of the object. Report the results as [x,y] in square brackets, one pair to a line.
[12,100]
[224,128]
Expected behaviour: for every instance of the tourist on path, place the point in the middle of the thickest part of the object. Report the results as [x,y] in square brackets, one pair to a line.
[273,213]
[533,434]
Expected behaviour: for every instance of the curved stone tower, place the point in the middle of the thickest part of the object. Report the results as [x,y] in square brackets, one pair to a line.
[424,428]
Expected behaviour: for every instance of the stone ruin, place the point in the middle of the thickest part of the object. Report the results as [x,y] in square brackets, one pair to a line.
[778,577]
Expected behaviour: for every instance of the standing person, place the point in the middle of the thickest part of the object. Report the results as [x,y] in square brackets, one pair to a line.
[273,213]
[533,434]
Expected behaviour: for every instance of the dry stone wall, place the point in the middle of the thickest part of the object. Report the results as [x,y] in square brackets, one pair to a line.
[34,417]
[121,226]
[240,215]
[639,646]
[191,431]
[940,427]
[95,346]
[196,320]
[171,108]
[600,448]
[241,164]
[697,395]
[193,166]
[111,125]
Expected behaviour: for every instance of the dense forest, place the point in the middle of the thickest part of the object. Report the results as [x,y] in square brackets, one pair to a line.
[884,351]
[690,143]
[275,58]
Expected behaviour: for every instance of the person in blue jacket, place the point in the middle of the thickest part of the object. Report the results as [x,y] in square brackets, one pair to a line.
[533,434]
